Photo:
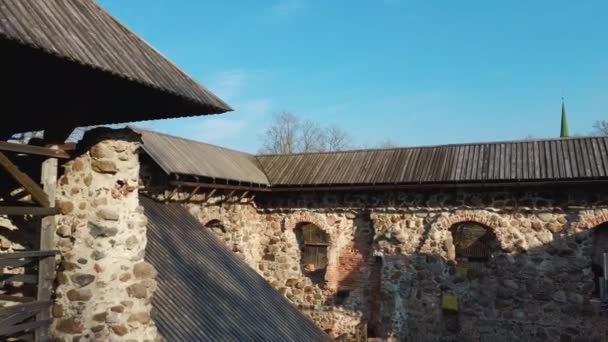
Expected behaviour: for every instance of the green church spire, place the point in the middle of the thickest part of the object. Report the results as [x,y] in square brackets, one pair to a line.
[564,130]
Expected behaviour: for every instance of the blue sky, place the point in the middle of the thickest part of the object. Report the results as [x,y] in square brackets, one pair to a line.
[413,72]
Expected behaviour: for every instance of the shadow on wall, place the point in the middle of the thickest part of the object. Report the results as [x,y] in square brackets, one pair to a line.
[485,293]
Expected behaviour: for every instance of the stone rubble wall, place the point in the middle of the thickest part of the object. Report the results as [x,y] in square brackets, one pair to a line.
[536,287]
[104,286]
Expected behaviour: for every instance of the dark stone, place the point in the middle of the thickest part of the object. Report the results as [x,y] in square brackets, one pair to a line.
[144,270]
[79,295]
[82,279]
[118,308]
[104,166]
[102,231]
[100,317]
[120,330]
[70,326]
[137,291]
[97,255]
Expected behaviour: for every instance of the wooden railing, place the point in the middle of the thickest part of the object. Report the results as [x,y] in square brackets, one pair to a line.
[21,318]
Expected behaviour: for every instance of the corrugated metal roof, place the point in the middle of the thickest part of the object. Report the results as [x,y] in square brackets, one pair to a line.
[206,293]
[182,156]
[584,158]
[82,33]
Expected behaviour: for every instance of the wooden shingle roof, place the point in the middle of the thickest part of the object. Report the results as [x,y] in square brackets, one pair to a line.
[77,60]
[181,156]
[526,161]
[572,159]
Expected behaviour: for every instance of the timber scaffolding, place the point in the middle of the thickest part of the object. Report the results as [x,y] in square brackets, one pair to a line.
[16,320]
[68,64]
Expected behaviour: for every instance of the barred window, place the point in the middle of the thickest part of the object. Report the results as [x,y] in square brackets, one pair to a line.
[314,243]
[473,241]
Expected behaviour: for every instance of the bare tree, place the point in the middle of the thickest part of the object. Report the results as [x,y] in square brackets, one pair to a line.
[336,139]
[289,134]
[312,137]
[282,136]
[601,127]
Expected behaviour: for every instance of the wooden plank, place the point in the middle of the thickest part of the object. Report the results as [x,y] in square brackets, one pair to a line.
[24,278]
[27,254]
[27,307]
[33,150]
[26,326]
[46,266]
[15,318]
[17,299]
[14,262]
[24,180]
[34,211]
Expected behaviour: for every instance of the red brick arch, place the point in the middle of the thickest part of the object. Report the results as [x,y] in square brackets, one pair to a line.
[447,222]
[591,221]
[291,222]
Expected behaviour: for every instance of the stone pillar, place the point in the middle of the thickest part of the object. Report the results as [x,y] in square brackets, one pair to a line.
[104,286]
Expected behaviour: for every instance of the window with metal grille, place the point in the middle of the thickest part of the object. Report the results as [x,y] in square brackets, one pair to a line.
[473,241]
[313,247]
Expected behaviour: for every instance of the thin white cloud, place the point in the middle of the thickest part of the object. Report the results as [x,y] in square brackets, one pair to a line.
[229,129]
[286,8]
[228,84]
[219,130]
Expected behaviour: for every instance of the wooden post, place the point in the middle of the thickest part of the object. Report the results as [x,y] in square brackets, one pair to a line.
[46,265]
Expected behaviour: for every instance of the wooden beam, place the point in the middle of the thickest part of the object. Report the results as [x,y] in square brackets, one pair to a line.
[24,180]
[24,278]
[219,186]
[17,299]
[46,266]
[28,254]
[33,150]
[32,306]
[26,326]
[34,211]
[15,262]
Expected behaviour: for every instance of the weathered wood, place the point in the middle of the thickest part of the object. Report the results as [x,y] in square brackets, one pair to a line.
[33,150]
[33,306]
[26,326]
[15,318]
[28,254]
[24,180]
[15,262]
[9,298]
[46,266]
[24,278]
[34,211]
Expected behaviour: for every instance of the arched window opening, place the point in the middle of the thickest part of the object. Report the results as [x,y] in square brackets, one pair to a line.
[599,264]
[216,226]
[313,243]
[473,241]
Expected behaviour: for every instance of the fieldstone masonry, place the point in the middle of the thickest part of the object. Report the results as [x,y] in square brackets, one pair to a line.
[392,260]
[104,286]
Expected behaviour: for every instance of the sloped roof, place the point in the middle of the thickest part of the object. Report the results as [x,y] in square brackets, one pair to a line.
[584,158]
[188,157]
[570,159]
[206,293]
[53,44]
